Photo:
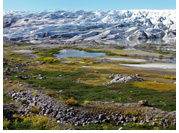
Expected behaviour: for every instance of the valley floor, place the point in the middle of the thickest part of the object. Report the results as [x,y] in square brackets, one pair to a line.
[126,89]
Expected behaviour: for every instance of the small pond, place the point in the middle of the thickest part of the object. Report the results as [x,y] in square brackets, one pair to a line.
[163,59]
[76,53]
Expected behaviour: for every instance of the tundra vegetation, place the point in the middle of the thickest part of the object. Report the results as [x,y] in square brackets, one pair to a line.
[82,81]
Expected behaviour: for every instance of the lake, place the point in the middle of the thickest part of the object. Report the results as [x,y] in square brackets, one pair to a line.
[77,53]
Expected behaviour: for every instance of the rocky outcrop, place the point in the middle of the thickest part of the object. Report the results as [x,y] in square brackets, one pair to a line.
[119,78]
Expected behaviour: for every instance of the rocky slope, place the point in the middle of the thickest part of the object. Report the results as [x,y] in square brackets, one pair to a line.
[127,26]
[81,115]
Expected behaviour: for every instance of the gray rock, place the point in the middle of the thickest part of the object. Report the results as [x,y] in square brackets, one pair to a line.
[153,123]
[134,119]
[14,94]
[143,103]
[96,122]
[122,118]
[147,120]
[101,117]
[78,124]
[47,111]
[141,122]
[105,121]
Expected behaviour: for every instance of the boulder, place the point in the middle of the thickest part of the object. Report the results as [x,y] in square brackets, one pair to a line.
[143,103]
[101,117]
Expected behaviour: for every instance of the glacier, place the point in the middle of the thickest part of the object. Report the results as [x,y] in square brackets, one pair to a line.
[69,26]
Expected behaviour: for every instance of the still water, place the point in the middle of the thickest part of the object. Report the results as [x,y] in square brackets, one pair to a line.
[76,53]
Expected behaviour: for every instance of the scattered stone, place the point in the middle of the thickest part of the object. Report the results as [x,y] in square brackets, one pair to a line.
[64,114]
[143,103]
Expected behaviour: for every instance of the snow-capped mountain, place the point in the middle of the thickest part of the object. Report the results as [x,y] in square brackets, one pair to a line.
[100,26]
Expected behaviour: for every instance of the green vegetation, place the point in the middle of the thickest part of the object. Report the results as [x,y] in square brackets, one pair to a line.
[23,101]
[7,99]
[170,77]
[128,93]
[35,93]
[20,89]
[87,102]
[104,126]
[46,59]
[111,126]
[146,126]
[73,85]
[35,109]
[160,56]
[10,54]
[71,102]
[30,122]
[49,93]
[23,44]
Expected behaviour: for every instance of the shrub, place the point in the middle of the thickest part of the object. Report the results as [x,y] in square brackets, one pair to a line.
[49,59]
[167,77]
[19,59]
[119,98]
[12,58]
[34,93]
[21,89]
[96,71]
[6,124]
[49,93]
[160,56]
[15,116]
[170,77]
[46,59]
[173,77]
[60,98]
[156,86]
[14,54]
[105,127]
[35,52]
[31,122]
[23,101]
[70,102]
[35,109]
[87,102]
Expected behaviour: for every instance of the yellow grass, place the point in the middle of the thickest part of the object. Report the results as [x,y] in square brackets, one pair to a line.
[170,77]
[89,82]
[49,67]
[156,86]
[87,102]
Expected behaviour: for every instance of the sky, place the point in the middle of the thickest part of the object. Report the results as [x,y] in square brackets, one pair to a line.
[87,4]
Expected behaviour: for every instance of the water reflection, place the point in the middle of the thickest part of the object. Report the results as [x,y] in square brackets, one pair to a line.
[76,53]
